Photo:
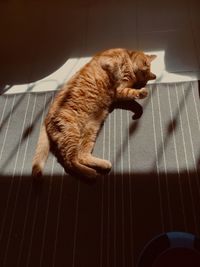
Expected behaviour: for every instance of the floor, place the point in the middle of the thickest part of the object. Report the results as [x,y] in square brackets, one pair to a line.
[40,54]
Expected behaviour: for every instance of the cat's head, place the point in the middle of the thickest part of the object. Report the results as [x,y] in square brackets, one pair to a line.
[142,68]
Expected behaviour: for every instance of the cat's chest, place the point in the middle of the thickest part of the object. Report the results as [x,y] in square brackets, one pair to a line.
[106,99]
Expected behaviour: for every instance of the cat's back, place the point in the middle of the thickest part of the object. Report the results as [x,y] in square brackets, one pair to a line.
[88,91]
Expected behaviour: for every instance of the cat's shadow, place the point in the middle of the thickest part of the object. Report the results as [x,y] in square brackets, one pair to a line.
[137,110]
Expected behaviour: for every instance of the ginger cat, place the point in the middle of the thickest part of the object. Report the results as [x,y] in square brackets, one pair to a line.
[81,106]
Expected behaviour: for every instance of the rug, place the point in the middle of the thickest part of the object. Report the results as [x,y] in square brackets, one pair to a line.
[154,185]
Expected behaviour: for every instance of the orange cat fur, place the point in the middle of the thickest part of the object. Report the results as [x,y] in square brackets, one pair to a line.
[81,106]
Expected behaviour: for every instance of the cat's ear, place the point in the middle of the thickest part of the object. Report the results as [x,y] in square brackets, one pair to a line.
[149,59]
[152,57]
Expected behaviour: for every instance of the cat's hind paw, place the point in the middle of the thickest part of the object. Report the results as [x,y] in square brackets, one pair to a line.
[105,167]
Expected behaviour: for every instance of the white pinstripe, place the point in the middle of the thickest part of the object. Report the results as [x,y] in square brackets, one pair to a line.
[165,167]
[37,200]
[102,207]
[130,196]
[29,194]
[177,162]
[108,203]
[47,209]
[157,166]
[27,143]
[58,219]
[122,181]
[114,193]
[46,213]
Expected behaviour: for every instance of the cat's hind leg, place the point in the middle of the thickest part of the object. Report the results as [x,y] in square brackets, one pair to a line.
[96,163]
[67,143]
[85,149]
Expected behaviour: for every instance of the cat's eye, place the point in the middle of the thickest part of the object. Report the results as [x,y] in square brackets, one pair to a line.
[145,68]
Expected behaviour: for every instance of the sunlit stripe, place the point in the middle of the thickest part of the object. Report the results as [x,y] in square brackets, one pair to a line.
[4,108]
[164,158]
[21,136]
[28,138]
[157,166]
[8,125]
[186,160]
[177,162]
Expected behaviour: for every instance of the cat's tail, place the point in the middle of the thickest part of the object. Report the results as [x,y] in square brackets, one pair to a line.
[41,153]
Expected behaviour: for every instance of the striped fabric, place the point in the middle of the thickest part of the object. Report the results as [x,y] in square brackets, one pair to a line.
[153,187]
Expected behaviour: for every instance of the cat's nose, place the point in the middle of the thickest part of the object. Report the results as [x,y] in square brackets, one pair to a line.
[152,76]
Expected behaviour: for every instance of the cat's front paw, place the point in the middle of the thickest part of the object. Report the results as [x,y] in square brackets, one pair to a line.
[142,93]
